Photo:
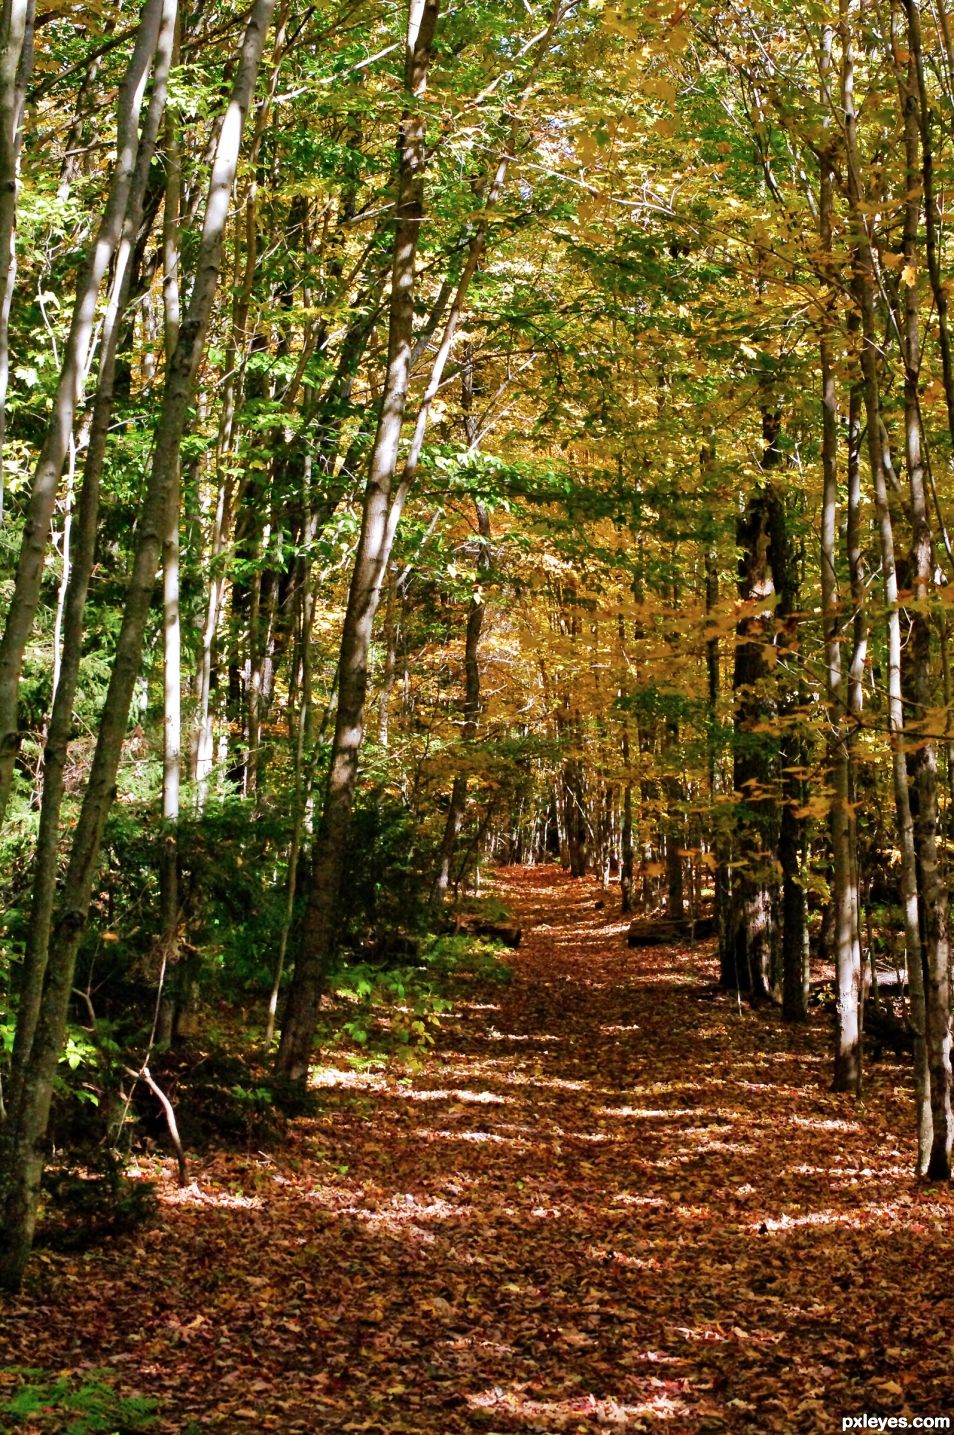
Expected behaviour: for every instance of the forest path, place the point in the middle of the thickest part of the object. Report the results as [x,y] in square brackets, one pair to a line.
[608,1198]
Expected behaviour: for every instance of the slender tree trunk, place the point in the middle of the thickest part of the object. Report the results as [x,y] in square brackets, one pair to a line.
[16,64]
[471,707]
[171,631]
[870,342]
[390,636]
[918,110]
[46,478]
[302,778]
[61,717]
[922,759]
[753,958]
[786,565]
[369,566]
[27,1122]
[844,894]
[627,852]
[674,837]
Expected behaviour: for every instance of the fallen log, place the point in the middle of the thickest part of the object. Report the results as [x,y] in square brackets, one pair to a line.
[495,932]
[502,932]
[664,932]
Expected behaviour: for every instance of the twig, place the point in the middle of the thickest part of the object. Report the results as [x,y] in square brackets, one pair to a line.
[144,1074]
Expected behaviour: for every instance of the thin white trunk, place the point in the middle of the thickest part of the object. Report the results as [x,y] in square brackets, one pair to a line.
[26,1126]
[16,63]
[879,459]
[49,468]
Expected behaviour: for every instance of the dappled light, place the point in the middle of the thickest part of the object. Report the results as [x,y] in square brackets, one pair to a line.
[557,1235]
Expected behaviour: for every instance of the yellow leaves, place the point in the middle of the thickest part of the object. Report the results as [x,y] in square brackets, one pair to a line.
[816,808]
[586,147]
[660,88]
[909,275]
[629,27]
[935,722]
[933,394]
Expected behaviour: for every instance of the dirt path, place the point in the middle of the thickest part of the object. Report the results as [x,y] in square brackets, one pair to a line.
[609,1198]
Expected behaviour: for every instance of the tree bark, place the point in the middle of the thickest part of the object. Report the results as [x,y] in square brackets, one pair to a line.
[922,757]
[870,341]
[16,64]
[27,1122]
[171,631]
[844,893]
[61,718]
[471,706]
[753,956]
[369,566]
[49,468]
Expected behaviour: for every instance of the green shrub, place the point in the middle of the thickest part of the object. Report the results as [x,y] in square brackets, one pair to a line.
[82,1206]
[69,1407]
[469,958]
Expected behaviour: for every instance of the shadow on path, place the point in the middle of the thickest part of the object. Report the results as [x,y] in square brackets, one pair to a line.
[609,1198]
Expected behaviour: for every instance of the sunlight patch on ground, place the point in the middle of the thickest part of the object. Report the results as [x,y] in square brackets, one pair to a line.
[888,1212]
[819,1123]
[560,1132]
[851,1173]
[631,1263]
[534,1077]
[424,1134]
[193,1195]
[552,1415]
[645,1112]
[613,1029]
[337,1076]
[400,1216]
[482,1098]
[715,1143]
[494,1035]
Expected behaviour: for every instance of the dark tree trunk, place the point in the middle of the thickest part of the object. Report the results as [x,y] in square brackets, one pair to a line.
[752,962]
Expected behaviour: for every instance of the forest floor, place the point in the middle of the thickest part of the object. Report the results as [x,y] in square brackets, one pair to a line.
[607,1197]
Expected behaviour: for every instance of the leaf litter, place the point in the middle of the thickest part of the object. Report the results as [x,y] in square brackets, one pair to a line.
[607,1198]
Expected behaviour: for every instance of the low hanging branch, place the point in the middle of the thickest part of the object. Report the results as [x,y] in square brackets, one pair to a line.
[145,1075]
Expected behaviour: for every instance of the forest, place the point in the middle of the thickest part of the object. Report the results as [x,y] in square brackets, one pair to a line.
[476,624]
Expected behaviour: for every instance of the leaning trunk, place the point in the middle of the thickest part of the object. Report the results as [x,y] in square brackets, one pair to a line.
[27,1121]
[370,561]
[46,479]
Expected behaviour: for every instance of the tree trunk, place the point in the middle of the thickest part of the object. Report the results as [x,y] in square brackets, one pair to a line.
[471,707]
[922,758]
[27,1122]
[16,64]
[369,565]
[865,288]
[49,468]
[675,838]
[172,636]
[844,893]
[61,718]
[753,964]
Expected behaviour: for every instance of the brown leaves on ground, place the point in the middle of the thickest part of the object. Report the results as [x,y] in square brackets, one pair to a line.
[608,1198]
